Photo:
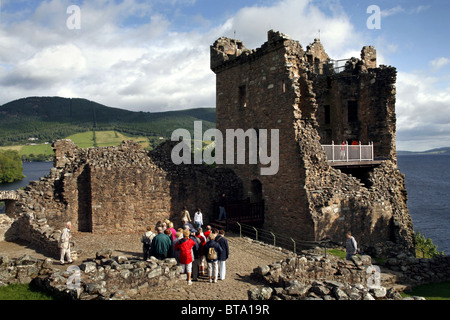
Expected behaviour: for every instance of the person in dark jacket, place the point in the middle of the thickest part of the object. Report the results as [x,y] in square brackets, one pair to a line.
[212,261]
[161,244]
[223,256]
[222,204]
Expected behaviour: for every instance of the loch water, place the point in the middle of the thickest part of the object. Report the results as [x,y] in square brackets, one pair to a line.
[427,183]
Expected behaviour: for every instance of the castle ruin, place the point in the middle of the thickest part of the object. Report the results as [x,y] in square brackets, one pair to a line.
[311,102]
[278,86]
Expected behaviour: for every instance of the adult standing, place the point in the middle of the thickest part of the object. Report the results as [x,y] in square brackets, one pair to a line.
[185,246]
[223,256]
[198,218]
[64,243]
[207,232]
[212,250]
[351,246]
[185,214]
[222,204]
[202,262]
[171,228]
[188,225]
[161,245]
[146,240]
[342,154]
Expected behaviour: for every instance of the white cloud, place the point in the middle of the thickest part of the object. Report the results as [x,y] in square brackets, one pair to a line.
[423,112]
[145,65]
[392,11]
[439,63]
[149,65]
[300,19]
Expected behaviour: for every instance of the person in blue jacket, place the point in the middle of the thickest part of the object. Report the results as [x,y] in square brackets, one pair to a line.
[223,256]
[212,250]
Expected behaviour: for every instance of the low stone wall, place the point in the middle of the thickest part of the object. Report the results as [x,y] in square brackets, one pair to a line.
[316,277]
[413,271]
[107,277]
[22,270]
[104,277]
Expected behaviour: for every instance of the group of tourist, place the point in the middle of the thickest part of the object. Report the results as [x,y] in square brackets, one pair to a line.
[195,251]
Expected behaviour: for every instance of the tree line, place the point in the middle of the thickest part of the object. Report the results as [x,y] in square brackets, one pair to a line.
[11,168]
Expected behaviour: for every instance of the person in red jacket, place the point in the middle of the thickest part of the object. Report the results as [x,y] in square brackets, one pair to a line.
[185,246]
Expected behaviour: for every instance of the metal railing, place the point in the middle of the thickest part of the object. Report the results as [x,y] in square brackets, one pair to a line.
[339,65]
[346,152]
[277,240]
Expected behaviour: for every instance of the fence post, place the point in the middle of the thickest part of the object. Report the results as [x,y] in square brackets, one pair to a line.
[332,151]
[256,231]
[371,151]
[346,151]
[240,229]
[295,249]
[274,239]
[360,151]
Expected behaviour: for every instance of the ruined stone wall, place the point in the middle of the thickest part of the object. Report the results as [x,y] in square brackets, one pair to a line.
[255,90]
[372,93]
[114,190]
[280,86]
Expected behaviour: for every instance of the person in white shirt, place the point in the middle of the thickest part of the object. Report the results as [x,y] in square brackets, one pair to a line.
[64,243]
[198,219]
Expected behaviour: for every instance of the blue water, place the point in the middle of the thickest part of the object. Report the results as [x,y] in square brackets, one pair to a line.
[428,186]
[33,172]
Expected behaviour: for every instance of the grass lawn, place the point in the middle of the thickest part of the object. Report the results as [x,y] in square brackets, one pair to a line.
[83,140]
[22,292]
[104,139]
[432,291]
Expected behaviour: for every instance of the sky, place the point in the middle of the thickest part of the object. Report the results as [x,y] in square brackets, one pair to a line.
[153,55]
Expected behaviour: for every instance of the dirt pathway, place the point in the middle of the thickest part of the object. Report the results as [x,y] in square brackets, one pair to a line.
[245,255]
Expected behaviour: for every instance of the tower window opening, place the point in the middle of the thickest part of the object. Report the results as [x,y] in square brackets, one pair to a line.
[243,96]
[352,111]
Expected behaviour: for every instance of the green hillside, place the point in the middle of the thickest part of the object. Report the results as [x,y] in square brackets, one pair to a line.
[45,119]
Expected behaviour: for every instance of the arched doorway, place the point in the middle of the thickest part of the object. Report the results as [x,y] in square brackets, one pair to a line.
[256,191]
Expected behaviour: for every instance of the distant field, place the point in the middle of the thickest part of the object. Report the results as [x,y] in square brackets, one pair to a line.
[104,139]
[83,140]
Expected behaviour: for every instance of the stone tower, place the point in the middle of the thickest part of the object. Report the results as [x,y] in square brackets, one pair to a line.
[302,95]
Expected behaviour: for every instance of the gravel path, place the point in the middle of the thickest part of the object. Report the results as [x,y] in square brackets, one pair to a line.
[245,255]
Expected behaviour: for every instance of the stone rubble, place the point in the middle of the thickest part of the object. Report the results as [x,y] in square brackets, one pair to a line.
[112,278]
[314,277]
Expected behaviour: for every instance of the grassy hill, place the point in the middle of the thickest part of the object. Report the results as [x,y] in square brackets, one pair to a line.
[44,151]
[45,119]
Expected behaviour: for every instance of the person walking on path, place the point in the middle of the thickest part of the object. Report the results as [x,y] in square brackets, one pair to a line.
[207,232]
[161,245]
[188,225]
[146,240]
[185,246]
[212,250]
[202,263]
[64,243]
[198,219]
[351,246]
[222,204]
[185,214]
[223,256]
[171,228]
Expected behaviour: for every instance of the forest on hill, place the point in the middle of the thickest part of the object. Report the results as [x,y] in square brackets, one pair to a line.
[45,119]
